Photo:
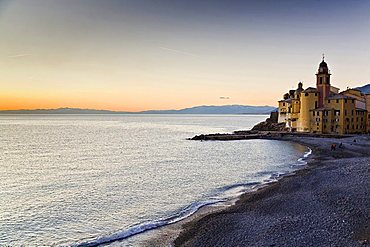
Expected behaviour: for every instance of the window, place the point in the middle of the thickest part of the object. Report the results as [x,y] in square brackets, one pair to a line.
[306,94]
[315,94]
[315,104]
[329,101]
[353,101]
[337,100]
[352,112]
[283,104]
[345,112]
[320,80]
[313,113]
[345,101]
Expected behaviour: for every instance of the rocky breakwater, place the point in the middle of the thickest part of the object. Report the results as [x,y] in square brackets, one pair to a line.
[237,135]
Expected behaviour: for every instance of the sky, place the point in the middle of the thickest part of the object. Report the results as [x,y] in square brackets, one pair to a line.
[134,55]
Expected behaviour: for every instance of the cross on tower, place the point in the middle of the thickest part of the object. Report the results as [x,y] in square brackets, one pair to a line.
[323,57]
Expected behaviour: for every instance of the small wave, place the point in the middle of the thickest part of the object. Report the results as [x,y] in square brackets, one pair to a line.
[305,156]
[308,153]
[146,226]
[232,186]
[276,175]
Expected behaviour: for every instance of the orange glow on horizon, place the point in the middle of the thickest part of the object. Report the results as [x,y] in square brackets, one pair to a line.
[142,101]
[11,103]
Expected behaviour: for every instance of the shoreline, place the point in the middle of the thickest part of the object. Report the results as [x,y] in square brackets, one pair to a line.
[204,227]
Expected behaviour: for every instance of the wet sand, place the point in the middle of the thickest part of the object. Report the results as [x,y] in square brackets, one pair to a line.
[325,204]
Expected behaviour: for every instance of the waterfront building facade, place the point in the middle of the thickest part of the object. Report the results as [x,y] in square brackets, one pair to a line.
[324,109]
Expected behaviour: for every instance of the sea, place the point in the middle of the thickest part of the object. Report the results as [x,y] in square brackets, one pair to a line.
[105,180]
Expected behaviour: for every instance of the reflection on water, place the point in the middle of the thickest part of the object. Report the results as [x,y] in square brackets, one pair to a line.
[67,179]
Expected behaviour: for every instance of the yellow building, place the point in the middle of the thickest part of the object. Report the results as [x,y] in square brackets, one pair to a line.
[367,100]
[324,109]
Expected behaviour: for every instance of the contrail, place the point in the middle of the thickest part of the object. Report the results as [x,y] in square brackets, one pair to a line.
[20,55]
[178,51]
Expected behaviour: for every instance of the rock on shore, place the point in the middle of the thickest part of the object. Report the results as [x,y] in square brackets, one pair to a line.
[269,125]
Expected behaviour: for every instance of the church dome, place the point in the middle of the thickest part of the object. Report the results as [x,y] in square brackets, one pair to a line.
[323,67]
[299,89]
[323,64]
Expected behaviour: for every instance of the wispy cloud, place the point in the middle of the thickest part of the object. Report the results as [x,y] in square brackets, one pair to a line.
[20,55]
[178,51]
[31,77]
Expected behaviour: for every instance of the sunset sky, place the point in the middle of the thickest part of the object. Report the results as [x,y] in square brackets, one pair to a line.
[136,55]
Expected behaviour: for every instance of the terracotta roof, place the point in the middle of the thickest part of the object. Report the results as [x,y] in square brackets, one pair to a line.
[310,90]
[339,96]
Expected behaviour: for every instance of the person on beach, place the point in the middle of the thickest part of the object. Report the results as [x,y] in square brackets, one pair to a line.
[333,147]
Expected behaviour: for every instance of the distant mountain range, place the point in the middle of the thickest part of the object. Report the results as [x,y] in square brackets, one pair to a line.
[224,109]
[364,89]
[60,111]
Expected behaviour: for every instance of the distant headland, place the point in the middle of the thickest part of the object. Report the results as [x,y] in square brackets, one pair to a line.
[205,109]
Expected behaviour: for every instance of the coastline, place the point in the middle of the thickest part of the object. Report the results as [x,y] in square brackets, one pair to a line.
[254,220]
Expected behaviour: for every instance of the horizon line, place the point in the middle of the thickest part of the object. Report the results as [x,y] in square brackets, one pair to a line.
[94,109]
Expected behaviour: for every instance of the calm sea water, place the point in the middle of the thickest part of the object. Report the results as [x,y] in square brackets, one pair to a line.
[89,179]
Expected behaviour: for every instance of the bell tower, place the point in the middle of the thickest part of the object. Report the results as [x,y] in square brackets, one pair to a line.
[323,82]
